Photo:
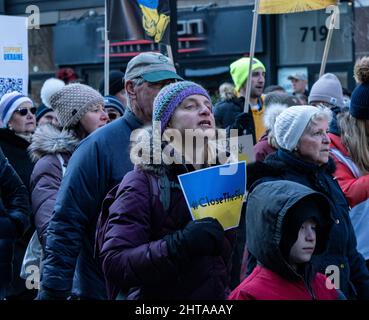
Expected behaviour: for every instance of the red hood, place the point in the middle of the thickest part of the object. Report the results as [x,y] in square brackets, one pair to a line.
[337,144]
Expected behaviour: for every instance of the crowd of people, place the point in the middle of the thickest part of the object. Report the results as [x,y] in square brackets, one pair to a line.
[99,225]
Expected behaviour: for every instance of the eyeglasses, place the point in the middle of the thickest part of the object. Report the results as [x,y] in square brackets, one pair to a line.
[24,111]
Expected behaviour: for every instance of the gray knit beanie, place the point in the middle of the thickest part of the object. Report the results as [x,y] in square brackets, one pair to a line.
[73,101]
[327,89]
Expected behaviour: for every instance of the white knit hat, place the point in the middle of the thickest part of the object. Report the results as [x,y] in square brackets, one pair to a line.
[50,86]
[290,125]
[9,103]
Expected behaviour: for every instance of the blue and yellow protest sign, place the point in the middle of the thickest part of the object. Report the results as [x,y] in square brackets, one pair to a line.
[290,6]
[216,192]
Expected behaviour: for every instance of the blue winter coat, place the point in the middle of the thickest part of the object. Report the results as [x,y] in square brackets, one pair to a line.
[97,165]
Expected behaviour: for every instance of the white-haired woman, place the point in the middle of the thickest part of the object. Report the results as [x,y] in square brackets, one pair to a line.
[301,133]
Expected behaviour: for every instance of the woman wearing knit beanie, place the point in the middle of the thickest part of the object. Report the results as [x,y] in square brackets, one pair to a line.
[80,110]
[19,122]
[327,91]
[17,114]
[301,133]
[147,243]
[350,152]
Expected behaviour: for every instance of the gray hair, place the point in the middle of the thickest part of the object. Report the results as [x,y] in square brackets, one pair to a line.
[324,114]
[136,82]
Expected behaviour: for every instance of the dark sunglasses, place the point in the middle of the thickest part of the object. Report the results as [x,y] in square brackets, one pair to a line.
[24,111]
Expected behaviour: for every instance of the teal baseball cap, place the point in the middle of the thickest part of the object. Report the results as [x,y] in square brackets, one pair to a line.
[152,67]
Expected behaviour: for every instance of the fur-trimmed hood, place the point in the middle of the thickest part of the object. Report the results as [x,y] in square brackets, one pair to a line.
[142,154]
[271,113]
[49,140]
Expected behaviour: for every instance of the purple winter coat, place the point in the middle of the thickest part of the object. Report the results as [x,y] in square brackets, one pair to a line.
[47,174]
[263,148]
[134,255]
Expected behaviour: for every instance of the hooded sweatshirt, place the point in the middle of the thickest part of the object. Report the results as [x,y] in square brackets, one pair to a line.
[274,278]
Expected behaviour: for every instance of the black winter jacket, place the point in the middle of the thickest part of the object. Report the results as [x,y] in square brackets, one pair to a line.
[15,149]
[225,111]
[14,216]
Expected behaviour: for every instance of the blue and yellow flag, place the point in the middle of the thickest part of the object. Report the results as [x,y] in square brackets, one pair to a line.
[138,19]
[216,192]
[290,6]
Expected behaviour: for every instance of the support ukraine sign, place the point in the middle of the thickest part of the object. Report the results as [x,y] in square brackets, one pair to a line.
[216,192]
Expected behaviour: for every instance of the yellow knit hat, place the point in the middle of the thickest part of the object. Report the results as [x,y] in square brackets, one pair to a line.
[240,70]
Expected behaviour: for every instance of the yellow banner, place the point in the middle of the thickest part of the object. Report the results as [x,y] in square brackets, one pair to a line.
[290,6]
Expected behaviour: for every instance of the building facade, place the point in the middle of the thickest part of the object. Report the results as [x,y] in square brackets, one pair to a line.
[211,34]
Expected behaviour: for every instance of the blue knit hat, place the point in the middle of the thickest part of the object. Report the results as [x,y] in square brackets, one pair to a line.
[171,96]
[9,103]
[41,111]
[359,106]
[113,102]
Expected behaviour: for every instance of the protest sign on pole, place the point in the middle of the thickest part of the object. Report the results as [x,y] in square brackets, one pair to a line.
[291,6]
[14,55]
[210,193]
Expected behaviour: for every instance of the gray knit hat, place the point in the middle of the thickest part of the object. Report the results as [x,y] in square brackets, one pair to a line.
[327,89]
[73,101]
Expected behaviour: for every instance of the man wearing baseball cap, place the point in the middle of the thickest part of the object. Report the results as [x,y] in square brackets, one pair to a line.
[299,83]
[99,163]
[145,75]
